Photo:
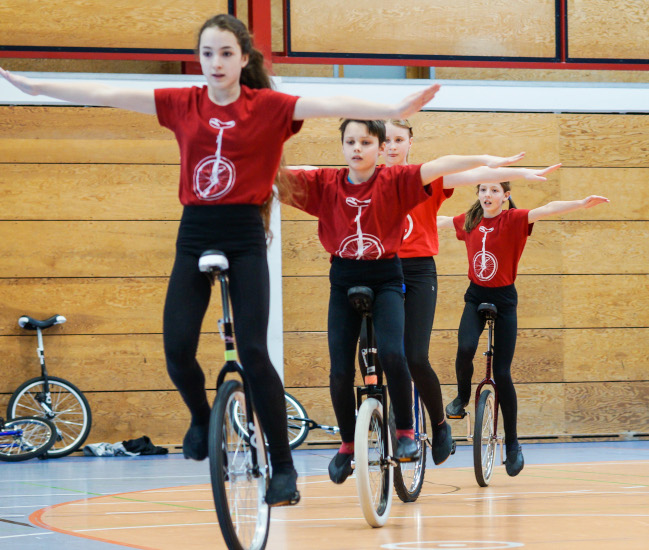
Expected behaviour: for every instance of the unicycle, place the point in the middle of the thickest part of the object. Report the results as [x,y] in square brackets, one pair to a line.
[408,476]
[373,461]
[238,463]
[485,436]
[485,433]
[26,437]
[53,398]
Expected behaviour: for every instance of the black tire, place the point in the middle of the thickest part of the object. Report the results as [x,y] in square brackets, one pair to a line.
[484,440]
[243,514]
[298,429]
[70,412]
[26,437]
[374,477]
[409,476]
[296,417]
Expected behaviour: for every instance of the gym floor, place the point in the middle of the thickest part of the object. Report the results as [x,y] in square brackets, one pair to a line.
[591,495]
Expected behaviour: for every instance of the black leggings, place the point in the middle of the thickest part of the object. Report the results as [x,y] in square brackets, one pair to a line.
[384,277]
[471,326]
[420,276]
[238,232]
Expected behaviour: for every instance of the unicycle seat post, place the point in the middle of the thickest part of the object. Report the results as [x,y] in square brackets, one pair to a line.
[361,298]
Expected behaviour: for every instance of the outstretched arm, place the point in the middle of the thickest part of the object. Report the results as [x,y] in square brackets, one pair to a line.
[451,164]
[444,222]
[496,175]
[89,93]
[361,109]
[562,207]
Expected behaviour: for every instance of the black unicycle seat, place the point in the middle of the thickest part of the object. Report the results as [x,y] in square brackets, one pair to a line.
[361,298]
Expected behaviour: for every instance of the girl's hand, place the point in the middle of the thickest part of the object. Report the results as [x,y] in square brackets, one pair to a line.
[24,84]
[497,162]
[593,200]
[414,102]
[539,175]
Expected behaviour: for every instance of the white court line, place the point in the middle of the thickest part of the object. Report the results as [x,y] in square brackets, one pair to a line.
[149,491]
[36,482]
[14,495]
[132,502]
[468,516]
[40,533]
[330,520]
[143,527]
[37,506]
[563,464]
[178,510]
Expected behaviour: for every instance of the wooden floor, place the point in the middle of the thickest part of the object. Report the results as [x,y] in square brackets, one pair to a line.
[575,505]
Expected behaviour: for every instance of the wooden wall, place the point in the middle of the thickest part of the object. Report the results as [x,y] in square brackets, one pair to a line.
[90,215]
[91,24]
[422,27]
[596,30]
[527,29]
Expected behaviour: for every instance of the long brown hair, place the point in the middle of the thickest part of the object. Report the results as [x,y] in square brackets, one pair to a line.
[253,75]
[474,214]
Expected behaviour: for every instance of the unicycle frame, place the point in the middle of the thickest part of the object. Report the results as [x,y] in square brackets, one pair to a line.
[490,321]
[232,364]
[371,380]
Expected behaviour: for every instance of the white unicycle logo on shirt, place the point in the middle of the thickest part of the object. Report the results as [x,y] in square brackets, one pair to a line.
[485,264]
[214,176]
[361,245]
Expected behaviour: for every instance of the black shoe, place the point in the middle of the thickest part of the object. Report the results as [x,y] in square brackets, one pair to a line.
[340,467]
[195,442]
[442,443]
[282,490]
[407,450]
[514,461]
[455,409]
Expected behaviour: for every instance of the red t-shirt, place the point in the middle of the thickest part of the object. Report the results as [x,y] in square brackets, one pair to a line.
[228,154]
[421,239]
[382,202]
[494,246]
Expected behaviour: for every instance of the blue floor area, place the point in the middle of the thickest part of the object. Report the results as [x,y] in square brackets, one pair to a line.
[29,486]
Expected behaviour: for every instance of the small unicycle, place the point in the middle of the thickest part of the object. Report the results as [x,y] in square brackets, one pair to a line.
[238,462]
[373,462]
[485,433]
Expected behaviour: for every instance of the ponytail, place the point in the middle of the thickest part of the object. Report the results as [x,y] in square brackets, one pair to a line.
[253,75]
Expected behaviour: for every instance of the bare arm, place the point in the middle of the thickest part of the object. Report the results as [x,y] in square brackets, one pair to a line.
[496,175]
[89,93]
[451,164]
[562,207]
[350,107]
[444,222]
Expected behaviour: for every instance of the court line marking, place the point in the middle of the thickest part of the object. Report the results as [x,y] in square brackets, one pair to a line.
[116,478]
[333,520]
[2,537]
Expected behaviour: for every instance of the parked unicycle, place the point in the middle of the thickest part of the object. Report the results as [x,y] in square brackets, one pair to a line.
[373,461]
[485,432]
[25,438]
[238,461]
[53,398]
[298,423]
